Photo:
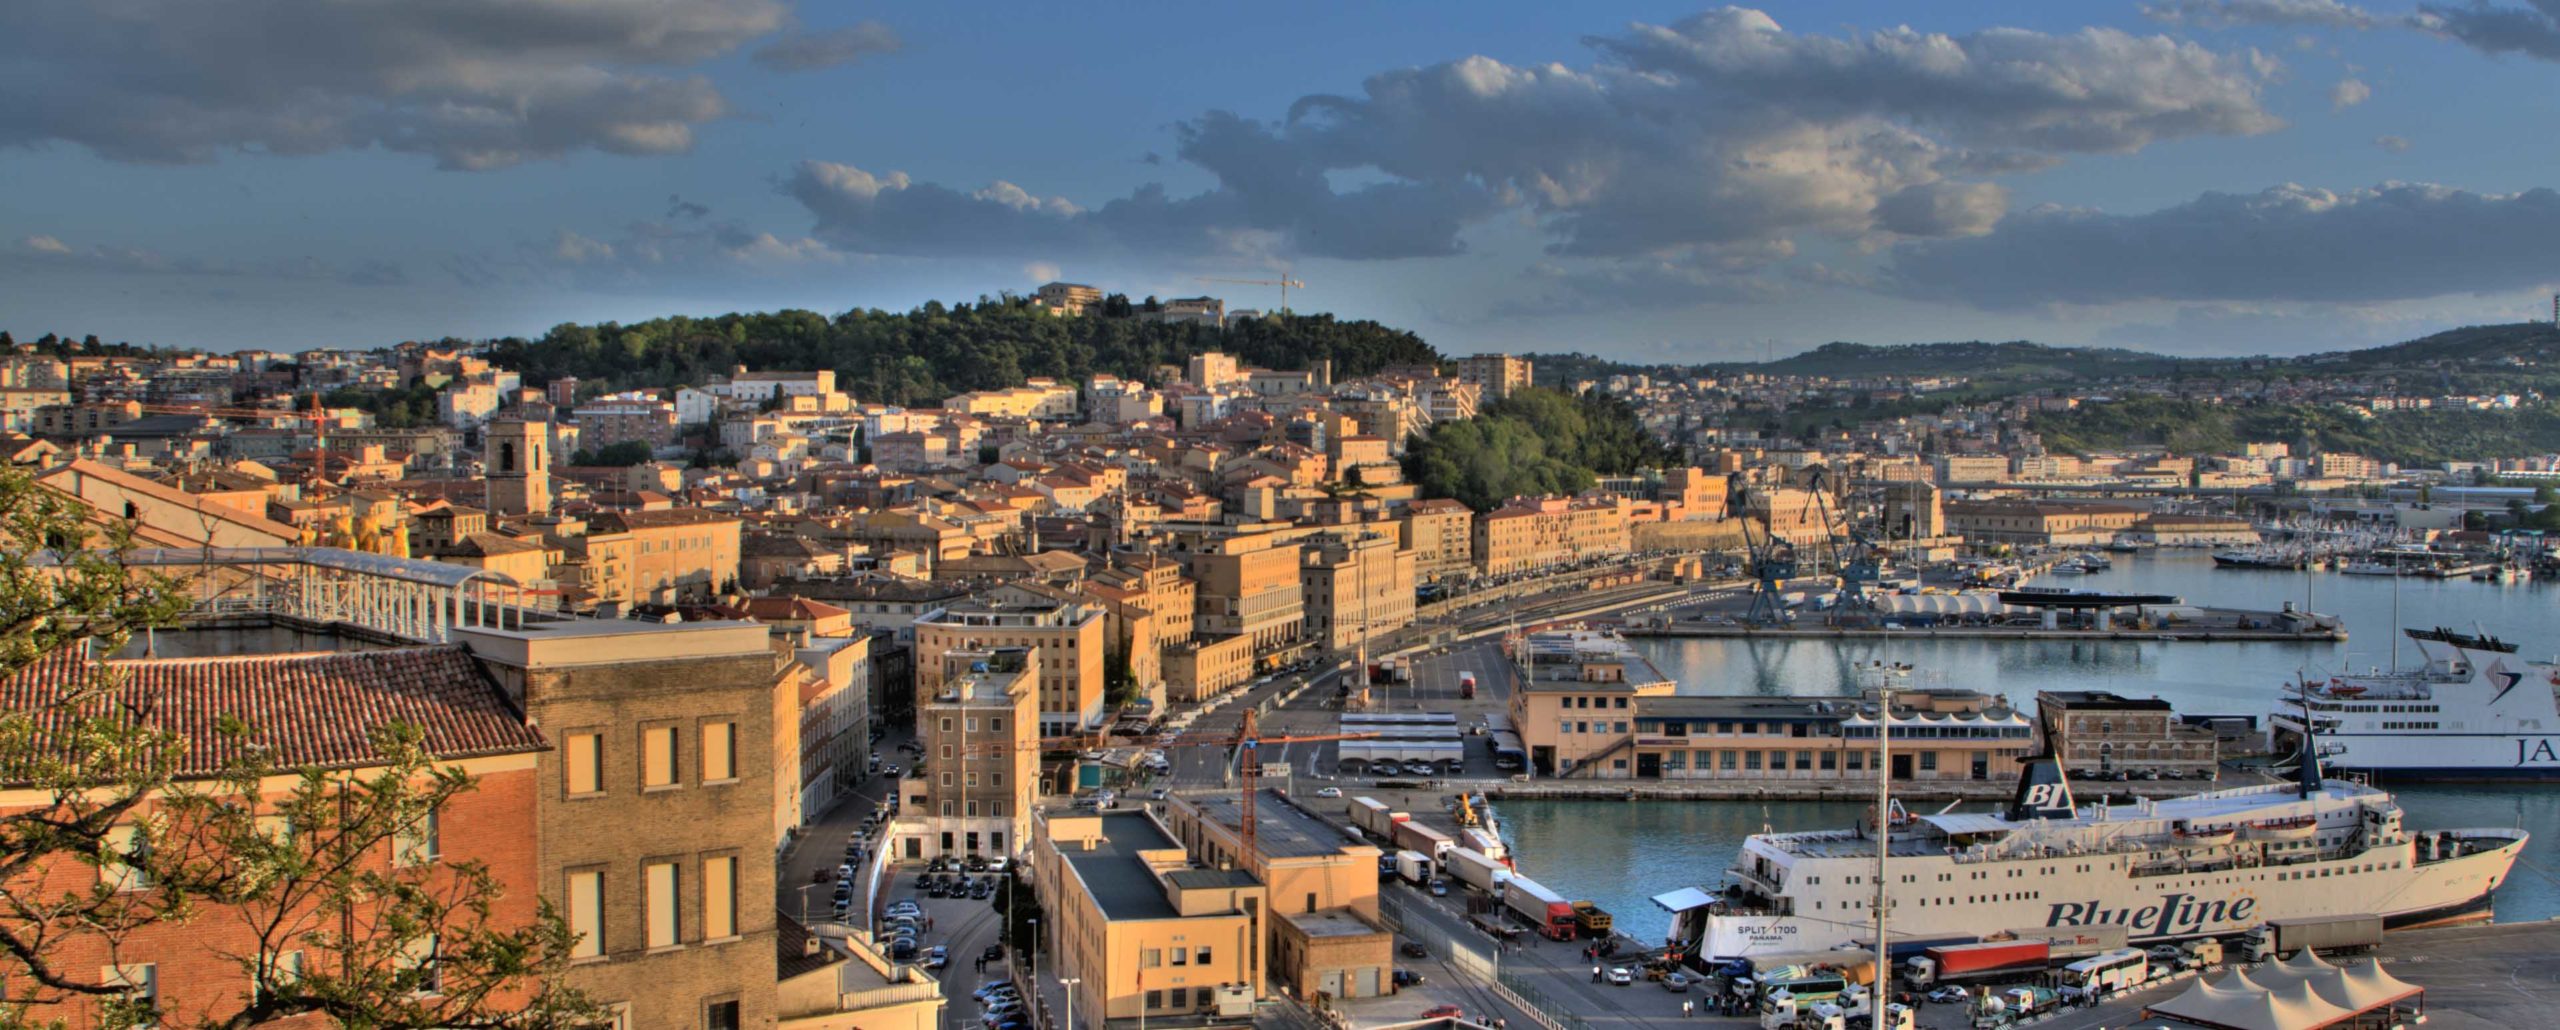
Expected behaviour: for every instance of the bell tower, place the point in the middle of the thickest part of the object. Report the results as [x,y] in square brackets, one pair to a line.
[518,466]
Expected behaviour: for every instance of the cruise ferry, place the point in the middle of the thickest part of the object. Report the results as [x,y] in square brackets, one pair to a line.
[2470,710]
[2209,864]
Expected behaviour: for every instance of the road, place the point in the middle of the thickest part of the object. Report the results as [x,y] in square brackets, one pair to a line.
[821,844]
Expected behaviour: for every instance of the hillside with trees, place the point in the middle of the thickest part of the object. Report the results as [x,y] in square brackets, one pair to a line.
[1535,441]
[2406,437]
[932,352]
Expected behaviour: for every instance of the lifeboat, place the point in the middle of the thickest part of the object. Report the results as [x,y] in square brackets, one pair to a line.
[2206,838]
[2346,691]
[2285,829]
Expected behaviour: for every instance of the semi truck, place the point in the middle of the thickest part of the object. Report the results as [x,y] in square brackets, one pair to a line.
[1373,817]
[1485,842]
[1474,869]
[1414,836]
[2004,1007]
[1543,908]
[1413,867]
[1592,920]
[2324,934]
[1986,960]
[1466,686]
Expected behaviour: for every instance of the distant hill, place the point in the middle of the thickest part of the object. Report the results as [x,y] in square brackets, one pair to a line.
[2486,358]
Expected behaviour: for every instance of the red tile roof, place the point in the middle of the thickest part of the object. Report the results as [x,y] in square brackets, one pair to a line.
[301,710]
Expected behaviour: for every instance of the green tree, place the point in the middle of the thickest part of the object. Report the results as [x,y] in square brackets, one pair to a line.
[313,870]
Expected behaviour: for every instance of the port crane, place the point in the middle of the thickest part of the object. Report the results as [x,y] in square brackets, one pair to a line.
[1284,283]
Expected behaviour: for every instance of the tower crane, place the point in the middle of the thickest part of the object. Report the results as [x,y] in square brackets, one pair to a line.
[1284,283]
[1247,742]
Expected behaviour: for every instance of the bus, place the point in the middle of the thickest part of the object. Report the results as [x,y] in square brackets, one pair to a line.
[1782,1001]
[2106,973]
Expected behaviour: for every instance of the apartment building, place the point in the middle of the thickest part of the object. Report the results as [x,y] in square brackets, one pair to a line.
[1069,636]
[1248,586]
[1499,375]
[1040,398]
[979,785]
[1972,468]
[1357,584]
[656,807]
[1537,533]
[625,417]
[1204,667]
[1441,535]
[2106,736]
[1145,931]
[661,556]
[1210,370]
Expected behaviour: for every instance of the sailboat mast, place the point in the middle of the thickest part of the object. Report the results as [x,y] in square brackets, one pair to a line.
[1884,838]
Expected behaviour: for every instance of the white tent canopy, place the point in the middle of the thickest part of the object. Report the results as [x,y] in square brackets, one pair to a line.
[2299,993]
[1982,602]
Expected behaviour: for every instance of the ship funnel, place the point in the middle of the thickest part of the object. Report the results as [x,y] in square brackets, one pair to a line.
[2043,792]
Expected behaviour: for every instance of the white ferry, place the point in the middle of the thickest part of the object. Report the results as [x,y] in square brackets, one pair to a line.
[2205,865]
[2471,710]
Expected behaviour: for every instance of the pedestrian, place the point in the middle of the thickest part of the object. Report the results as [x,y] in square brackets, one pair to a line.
[1595,974]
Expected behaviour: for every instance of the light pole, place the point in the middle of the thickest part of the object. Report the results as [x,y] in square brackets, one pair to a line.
[804,902]
[1071,982]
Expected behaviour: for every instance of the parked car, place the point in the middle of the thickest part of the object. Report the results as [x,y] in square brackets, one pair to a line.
[1676,983]
[1949,994]
[937,957]
[1329,792]
[1414,949]
[1443,1012]
[1407,978]
[905,908]
[1621,976]
[993,953]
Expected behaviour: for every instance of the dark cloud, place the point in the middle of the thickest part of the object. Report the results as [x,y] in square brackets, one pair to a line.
[473,83]
[2290,243]
[800,50]
[678,207]
[1722,131]
[44,252]
[2532,30]
[2226,13]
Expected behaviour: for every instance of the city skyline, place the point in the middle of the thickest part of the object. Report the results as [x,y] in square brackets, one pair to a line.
[1653,182]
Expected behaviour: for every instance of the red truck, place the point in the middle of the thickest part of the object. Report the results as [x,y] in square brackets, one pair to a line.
[1957,963]
[1543,908]
[1467,685]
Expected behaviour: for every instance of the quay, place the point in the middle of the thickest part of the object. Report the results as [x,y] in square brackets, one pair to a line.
[2476,976]
[2184,632]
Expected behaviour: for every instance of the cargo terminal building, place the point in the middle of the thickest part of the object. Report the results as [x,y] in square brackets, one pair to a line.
[1593,708]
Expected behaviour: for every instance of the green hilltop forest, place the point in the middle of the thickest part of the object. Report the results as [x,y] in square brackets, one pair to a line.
[1536,441]
[935,351]
[2406,437]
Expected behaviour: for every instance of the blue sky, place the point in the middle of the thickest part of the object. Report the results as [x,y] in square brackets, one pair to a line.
[1651,181]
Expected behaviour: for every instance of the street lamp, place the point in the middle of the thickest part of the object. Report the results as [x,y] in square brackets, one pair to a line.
[1071,982]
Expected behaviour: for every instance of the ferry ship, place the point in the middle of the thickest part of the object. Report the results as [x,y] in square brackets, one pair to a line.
[2210,864]
[2470,710]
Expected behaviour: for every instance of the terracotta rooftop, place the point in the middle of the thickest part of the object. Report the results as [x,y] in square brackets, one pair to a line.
[301,710]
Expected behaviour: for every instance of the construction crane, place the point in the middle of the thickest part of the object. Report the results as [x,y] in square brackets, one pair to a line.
[1284,283]
[1247,742]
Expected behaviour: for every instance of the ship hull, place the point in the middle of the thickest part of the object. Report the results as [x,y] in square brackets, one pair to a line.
[2419,757]
[2058,893]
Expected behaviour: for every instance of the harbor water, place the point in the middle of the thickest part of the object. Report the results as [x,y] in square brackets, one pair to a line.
[1620,854]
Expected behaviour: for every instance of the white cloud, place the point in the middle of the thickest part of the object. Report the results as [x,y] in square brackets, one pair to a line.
[2226,13]
[52,253]
[473,83]
[2395,241]
[2392,144]
[1722,132]
[2348,93]
[1042,271]
[578,250]
[804,50]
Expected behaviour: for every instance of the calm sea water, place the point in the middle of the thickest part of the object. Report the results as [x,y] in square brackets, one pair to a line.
[1621,854]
